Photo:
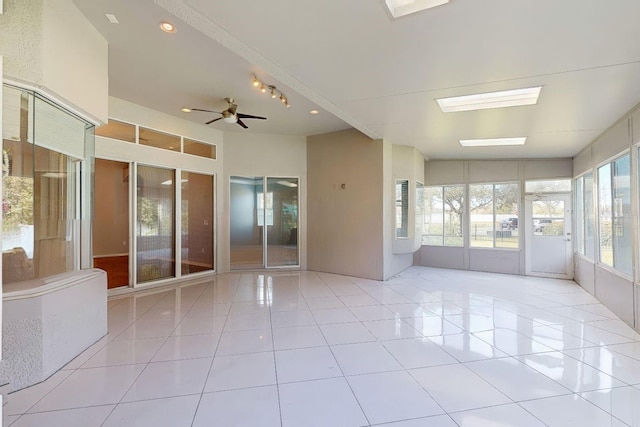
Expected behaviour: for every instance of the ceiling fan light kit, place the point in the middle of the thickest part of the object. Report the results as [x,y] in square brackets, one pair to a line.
[271,89]
[230,115]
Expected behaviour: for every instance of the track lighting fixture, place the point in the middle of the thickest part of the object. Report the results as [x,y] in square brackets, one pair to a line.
[273,91]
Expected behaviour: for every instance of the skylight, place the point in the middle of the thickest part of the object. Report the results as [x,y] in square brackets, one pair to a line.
[400,8]
[492,142]
[483,101]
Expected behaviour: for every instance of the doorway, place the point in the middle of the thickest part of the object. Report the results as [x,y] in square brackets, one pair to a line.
[111,221]
[263,222]
[548,236]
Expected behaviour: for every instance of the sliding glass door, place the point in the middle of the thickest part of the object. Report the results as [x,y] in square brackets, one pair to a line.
[155,225]
[263,222]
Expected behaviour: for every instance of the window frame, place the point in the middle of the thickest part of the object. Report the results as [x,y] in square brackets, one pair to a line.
[596,198]
[519,184]
[444,211]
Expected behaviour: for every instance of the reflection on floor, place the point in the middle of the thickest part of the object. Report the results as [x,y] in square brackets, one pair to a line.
[250,257]
[428,348]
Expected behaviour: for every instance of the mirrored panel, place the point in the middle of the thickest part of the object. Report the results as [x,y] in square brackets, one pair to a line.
[247,211]
[281,208]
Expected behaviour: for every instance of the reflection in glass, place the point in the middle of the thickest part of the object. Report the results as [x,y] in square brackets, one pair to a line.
[156,139]
[282,221]
[155,225]
[111,221]
[117,130]
[589,218]
[548,186]
[622,225]
[246,213]
[197,222]
[579,236]
[199,149]
[402,208]
[39,236]
[604,213]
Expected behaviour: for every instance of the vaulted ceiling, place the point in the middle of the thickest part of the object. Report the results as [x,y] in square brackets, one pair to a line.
[362,69]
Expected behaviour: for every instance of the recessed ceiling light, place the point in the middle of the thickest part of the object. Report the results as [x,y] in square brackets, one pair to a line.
[314,112]
[483,101]
[112,18]
[405,7]
[185,110]
[167,27]
[492,142]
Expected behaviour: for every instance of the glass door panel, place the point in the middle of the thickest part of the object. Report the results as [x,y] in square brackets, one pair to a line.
[155,227]
[111,221]
[247,220]
[197,222]
[281,204]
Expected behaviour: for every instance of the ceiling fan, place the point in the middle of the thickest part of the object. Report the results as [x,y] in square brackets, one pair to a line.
[230,115]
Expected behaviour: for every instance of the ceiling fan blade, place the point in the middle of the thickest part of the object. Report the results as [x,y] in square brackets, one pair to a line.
[206,111]
[241,123]
[214,120]
[249,116]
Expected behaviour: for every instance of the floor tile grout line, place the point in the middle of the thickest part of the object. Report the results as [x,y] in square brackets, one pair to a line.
[340,367]
[213,358]
[155,353]
[275,366]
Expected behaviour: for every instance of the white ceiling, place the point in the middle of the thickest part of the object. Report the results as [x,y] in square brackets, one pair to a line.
[362,69]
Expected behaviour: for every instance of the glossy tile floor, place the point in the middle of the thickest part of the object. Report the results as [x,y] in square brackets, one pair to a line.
[430,347]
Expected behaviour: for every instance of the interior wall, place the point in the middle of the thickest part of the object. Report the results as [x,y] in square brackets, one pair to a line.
[450,172]
[51,46]
[406,163]
[346,191]
[264,155]
[615,290]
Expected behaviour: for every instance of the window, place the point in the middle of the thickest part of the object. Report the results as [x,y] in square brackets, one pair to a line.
[579,195]
[585,217]
[118,130]
[199,149]
[494,215]
[157,139]
[419,209]
[614,213]
[402,208]
[443,212]
[42,145]
[548,186]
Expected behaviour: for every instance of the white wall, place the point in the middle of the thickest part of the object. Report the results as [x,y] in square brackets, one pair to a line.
[250,154]
[404,162]
[50,46]
[449,172]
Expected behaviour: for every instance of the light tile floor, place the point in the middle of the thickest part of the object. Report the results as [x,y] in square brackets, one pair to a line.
[429,347]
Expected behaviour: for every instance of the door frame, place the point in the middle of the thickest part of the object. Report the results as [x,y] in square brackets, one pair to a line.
[568,212]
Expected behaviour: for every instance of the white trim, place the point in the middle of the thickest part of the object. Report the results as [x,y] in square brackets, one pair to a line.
[55,98]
